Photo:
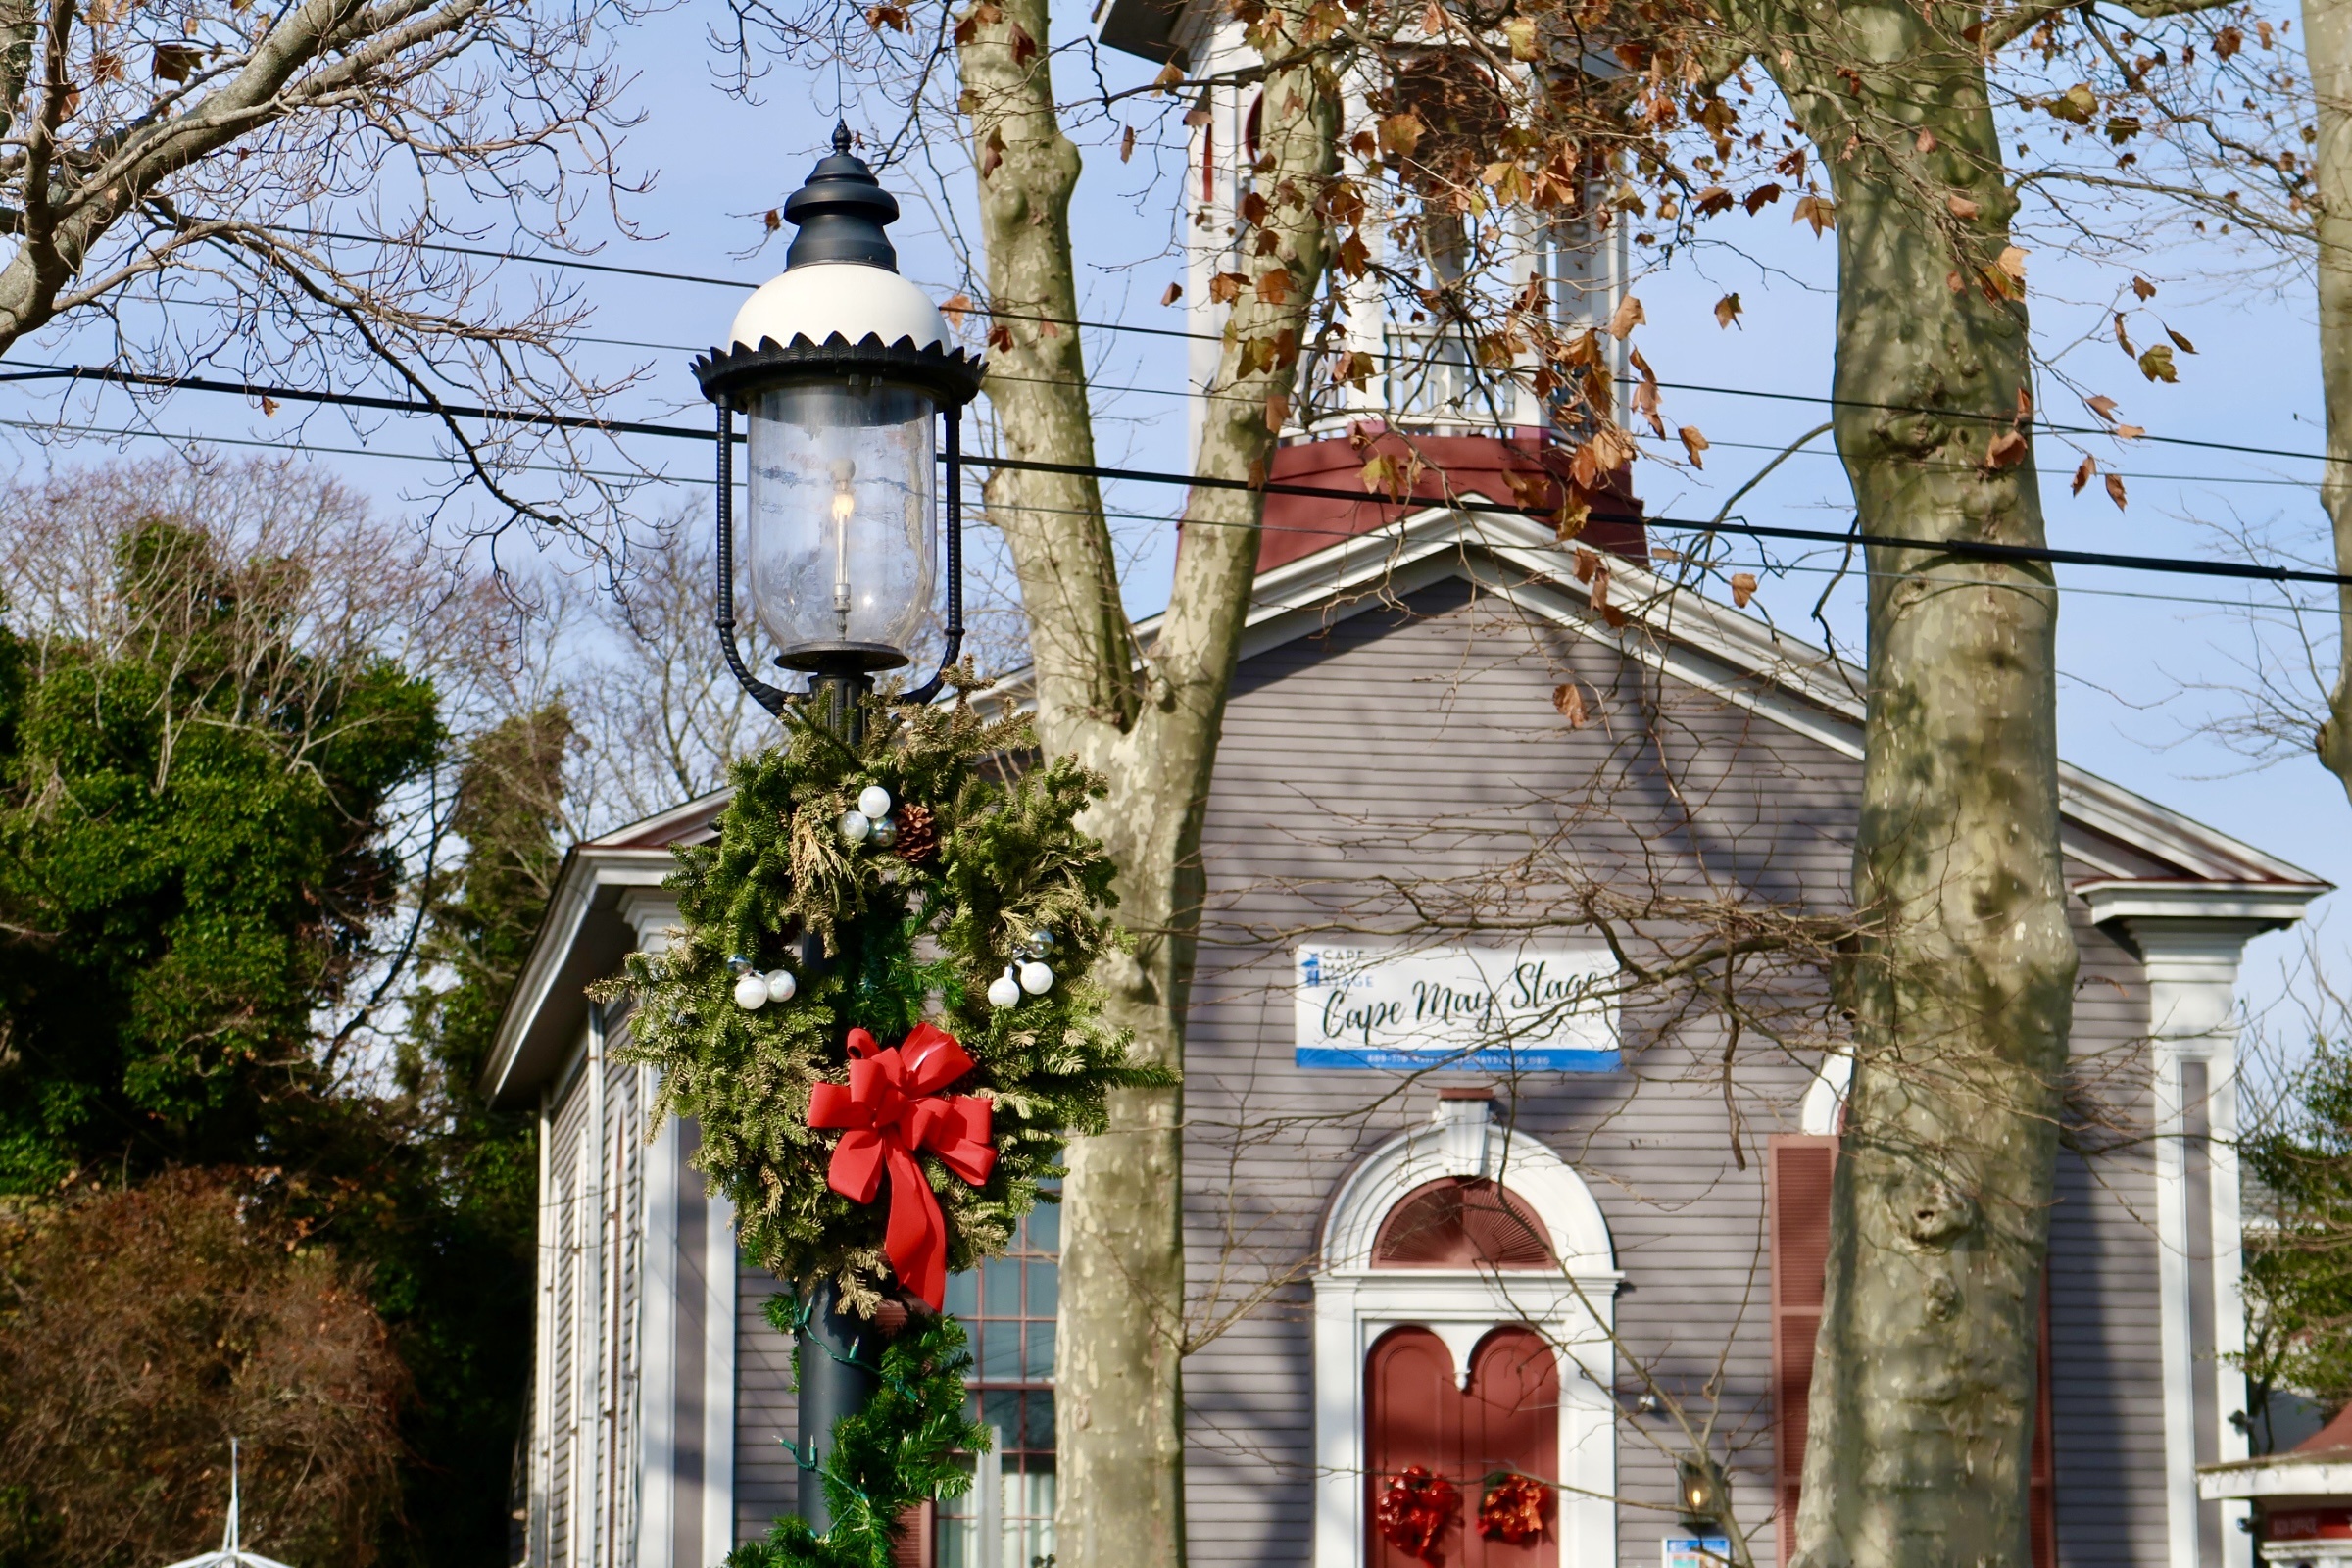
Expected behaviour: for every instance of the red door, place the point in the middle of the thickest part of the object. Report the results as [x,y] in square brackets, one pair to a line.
[1507,1420]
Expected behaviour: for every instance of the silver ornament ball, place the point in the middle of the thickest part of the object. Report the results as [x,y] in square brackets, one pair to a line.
[855,825]
[751,993]
[885,832]
[874,800]
[1004,991]
[1035,978]
[782,986]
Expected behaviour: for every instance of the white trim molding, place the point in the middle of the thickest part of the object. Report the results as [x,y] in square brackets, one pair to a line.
[1573,1306]
[2191,936]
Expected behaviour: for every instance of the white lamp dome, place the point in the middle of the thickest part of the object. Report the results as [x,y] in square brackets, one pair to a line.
[817,300]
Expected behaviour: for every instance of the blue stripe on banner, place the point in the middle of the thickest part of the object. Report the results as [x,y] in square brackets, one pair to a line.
[1326,1058]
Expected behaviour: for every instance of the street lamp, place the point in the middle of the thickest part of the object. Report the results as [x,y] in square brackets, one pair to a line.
[843,369]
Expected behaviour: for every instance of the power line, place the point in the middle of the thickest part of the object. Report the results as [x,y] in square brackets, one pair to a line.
[543,260]
[1968,549]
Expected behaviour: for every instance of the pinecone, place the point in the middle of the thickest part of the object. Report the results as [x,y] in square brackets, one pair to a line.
[918,834]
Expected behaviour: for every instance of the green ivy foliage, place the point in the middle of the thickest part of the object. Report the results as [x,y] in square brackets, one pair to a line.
[901,940]
[895,1455]
[2298,1261]
[185,879]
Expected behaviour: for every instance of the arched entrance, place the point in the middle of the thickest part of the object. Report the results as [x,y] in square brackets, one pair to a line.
[1462,1325]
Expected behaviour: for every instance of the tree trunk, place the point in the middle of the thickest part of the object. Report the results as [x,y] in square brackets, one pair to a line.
[1921,1405]
[2328,48]
[1147,719]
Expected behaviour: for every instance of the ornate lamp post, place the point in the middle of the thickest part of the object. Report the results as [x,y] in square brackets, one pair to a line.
[844,370]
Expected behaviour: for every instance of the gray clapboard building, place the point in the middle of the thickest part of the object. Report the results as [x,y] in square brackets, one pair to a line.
[1439,1213]
[1532,1258]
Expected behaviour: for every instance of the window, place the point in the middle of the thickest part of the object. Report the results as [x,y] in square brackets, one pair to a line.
[1007,1306]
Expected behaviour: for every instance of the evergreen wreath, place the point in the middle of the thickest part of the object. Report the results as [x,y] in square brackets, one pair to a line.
[985,865]
[895,1455]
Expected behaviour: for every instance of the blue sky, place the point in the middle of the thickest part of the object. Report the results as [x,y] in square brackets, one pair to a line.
[2138,653]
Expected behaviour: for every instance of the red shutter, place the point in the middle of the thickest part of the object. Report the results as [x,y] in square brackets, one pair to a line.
[2042,1472]
[1798,1169]
[913,1549]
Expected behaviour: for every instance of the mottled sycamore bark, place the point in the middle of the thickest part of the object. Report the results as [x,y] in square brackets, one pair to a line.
[1149,720]
[1921,1406]
[2328,49]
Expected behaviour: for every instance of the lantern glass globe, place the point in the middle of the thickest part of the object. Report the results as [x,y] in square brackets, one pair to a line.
[839,535]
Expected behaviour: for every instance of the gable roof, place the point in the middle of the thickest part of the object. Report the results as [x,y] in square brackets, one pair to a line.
[1737,657]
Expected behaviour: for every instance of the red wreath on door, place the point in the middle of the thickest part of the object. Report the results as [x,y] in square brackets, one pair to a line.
[1512,1511]
[1414,1510]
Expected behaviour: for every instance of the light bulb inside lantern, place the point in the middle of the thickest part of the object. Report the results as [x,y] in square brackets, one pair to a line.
[845,506]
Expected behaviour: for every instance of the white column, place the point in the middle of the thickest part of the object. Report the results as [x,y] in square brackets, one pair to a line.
[658,1392]
[718,1381]
[2191,938]
[650,914]
[543,1394]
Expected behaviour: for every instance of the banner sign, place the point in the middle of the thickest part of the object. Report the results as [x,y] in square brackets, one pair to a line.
[1481,1009]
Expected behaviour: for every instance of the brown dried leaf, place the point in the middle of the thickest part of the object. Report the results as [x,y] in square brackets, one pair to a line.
[1727,310]
[2179,342]
[1961,207]
[1226,287]
[1694,444]
[1174,293]
[2084,474]
[1278,413]
[2103,405]
[2012,260]
[955,306]
[2115,491]
[1274,286]
[1586,563]
[1127,144]
[1626,316]
[1744,588]
[1569,699]
[2143,288]
[2157,364]
[2006,451]
[2130,432]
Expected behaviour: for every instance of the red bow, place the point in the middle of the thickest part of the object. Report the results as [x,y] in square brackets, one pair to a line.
[891,1108]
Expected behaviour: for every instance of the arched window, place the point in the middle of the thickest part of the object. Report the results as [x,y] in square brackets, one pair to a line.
[1461,1222]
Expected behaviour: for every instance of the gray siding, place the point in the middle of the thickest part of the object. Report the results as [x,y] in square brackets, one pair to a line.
[767,1416]
[1422,742]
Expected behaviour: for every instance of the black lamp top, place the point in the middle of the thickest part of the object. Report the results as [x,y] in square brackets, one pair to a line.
[840,210]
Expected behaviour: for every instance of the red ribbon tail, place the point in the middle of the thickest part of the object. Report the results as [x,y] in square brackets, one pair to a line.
[856,1170]
[916,1240]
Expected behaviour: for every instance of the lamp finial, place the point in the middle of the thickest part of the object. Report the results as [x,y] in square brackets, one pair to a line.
[842,140]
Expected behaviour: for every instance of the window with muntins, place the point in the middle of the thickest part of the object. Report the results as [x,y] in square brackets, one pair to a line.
[1006,1307]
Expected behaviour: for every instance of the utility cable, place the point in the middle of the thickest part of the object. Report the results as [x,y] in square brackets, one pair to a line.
[1968,549]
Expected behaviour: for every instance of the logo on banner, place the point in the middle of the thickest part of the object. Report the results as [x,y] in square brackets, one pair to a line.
[1533,1008]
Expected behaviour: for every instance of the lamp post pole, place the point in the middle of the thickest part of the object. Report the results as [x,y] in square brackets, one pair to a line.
[844,370]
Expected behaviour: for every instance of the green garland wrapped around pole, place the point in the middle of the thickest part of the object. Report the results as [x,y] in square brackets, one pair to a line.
[880,1010]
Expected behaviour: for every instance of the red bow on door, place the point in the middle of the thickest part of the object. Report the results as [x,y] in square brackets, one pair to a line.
[892,1108]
